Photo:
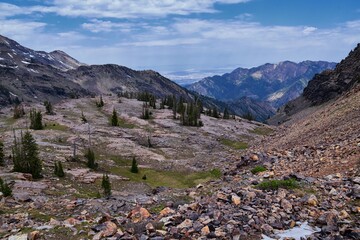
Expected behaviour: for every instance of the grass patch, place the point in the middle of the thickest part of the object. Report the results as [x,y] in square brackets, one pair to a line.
[262,131]
[10,121]
[124,124]
[276,184]
[238,145]
[121,161]
[39,216]
[173,179]
[157,208]
[55,126]
[258,169]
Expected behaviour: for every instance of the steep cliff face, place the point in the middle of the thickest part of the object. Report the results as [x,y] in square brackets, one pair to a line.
[330,84]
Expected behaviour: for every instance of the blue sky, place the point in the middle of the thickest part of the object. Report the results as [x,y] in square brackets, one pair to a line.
[186,37]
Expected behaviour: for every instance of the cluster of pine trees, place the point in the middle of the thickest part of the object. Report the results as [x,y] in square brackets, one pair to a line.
[26,156]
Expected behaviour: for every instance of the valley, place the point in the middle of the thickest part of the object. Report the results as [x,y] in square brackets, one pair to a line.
[144,158]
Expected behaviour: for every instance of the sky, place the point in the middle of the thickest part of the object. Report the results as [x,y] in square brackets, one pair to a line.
[186,39]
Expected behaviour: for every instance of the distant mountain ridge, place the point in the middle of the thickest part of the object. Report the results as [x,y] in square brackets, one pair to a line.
[273,83]
[37,76]
[325,87]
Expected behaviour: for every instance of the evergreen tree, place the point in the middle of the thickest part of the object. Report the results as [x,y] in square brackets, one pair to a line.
[100,103]
[134,166]
[26,156]
[59,171]
[114,118]
[2,160]
[145,112]
[4,188]
[35,120]
[215,113]
[18,111]
[90,156]
[248,115]
[226,114]
[49,108]
[106,185]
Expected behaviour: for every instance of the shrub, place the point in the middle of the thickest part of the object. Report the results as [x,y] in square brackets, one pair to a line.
[4,188]
[83,118]
[258,169]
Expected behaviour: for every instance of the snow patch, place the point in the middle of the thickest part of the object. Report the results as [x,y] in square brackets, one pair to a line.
[275,96]
[32,70]
[13,94]
[256,75]
[25,62]
[296,233]
[10,55]
[5,66]
[1,58]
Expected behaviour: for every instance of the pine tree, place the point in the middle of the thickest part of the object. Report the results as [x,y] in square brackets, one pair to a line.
[134,166]
[59,171]
[106,185]
[90,156]
[56,169]
[215,113]
[114,118]
[49,108]
[26,156]
[4,188]
[226,114]
[35,120]
[2,160]
[100,103]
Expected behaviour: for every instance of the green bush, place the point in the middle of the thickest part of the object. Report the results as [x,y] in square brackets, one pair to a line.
[276,184]
[258,169]
[4,188]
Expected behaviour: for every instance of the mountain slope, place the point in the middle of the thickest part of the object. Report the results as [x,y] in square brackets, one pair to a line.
[260,110]
[111,78]
[325,87]
[275,83]
[37,76]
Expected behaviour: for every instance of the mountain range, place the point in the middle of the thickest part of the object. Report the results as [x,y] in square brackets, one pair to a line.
[37,76]
[273,83]
[324,87]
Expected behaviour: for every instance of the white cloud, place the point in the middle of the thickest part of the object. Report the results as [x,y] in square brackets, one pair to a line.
[119,8]
[165,42]
[97,26]
[20,29]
